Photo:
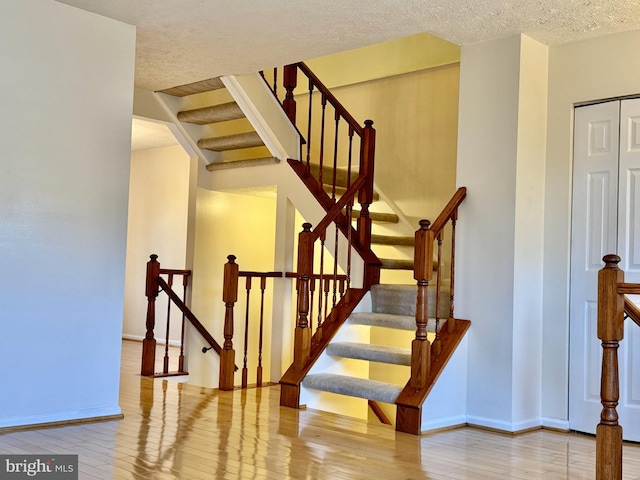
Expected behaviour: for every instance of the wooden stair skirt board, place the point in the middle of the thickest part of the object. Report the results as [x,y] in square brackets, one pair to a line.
[212,114]
[194,88]
[231,142]
[251,162]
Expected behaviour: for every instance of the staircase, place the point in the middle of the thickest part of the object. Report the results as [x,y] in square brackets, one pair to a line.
[220,131]
[393,309]
[215,125]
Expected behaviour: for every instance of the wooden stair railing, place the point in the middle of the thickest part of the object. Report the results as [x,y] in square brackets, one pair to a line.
[613,305]
[154,285]
[335,145]
[232,274]
[428,359]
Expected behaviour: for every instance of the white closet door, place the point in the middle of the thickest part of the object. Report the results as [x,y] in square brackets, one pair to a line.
[593,235]
[629,251]
[605,219]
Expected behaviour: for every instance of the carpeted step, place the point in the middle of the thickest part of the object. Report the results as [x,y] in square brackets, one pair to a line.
[396,264]
[251,162]
[372,353]
[231,142]
[193,88]
[387,320]
[340,191]
[353,387]
[212,114]
[377,216]
[342,175]
[393,240]
[401,300]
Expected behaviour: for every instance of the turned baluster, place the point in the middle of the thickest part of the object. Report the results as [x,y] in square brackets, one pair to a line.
[610,332]
[245,371]
[185,285]
[365,195]
[229,297]
[302,337]
[423,271]
[165,366]
[263,286]
[149,342]
[451,320]
[290,82]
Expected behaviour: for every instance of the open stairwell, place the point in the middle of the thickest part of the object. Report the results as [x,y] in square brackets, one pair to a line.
[330,335]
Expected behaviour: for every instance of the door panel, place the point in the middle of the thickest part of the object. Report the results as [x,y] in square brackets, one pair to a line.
[593,234]
[605,219]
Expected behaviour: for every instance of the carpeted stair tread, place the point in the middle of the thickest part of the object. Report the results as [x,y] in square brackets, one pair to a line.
[196,87]
[372,353]
[212,114]
[396,264]
[388,320]
[401,300]
[376,216]
[342,175]
[393,240]
[251,162]
[353,387]
[231,142]
[340,191]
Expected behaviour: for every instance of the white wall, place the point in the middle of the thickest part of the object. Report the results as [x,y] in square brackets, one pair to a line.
[578,72]
[498,280]
[158,214]
[67,78]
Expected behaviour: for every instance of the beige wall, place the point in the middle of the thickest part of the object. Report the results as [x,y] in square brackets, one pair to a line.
[242,225]
[158,213]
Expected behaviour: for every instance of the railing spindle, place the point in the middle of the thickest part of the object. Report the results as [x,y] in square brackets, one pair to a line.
[165,366]
[309,130]
[323,104]
[290,81]
[450,320]
[245,371]
[263,286]
[185,285]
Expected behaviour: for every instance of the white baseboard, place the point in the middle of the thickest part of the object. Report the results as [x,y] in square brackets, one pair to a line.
[556,423]
[62,417]
[510,427]
[454,421]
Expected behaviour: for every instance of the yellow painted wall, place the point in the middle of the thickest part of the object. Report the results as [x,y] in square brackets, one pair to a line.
[228,223]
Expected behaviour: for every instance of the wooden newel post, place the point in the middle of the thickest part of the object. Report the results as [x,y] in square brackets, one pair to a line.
[365,195]
[610,332]
[302,336]
[290,82]
[423,271]
[149,343]
[229,297]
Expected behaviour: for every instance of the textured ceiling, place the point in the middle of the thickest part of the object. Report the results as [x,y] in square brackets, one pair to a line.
[182,41]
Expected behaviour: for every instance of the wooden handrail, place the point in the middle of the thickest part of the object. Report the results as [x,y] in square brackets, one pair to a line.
[190,316]
[632,310]
[330,97]
[629,288]
[335,213]
[449,210]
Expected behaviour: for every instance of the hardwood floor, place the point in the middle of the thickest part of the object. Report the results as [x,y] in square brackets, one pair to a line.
[176,431]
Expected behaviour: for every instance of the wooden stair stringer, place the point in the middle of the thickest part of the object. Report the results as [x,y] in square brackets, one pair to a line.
[292,378]
[409,403]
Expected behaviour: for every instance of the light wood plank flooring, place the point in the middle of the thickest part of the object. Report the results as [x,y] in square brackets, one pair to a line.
[176,431]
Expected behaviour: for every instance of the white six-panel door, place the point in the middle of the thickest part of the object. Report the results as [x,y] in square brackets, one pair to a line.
[605,219]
